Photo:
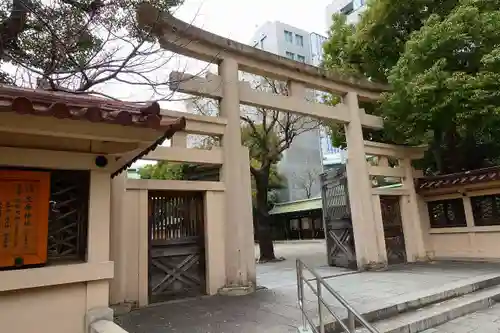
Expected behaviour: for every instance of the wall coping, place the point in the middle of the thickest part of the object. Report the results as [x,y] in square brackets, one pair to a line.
[55,275]
[465,230]
[174,185]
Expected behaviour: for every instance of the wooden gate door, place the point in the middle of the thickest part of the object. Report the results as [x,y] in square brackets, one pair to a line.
[337,218]
[393,229]
[176,251]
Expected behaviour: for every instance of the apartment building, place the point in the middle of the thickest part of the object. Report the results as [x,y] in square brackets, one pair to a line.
[301,164]
[351,8]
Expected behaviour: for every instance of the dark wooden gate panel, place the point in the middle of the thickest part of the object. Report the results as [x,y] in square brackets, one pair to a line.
[338,223]
[393,229]
[337,219]
[177,260]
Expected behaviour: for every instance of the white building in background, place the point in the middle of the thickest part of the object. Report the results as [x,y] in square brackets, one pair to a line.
[312,151]
[351,8]
[303,160]
[331,156]
[284,40]
[317,42]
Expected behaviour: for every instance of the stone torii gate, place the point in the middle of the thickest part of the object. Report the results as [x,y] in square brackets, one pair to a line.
[230,56]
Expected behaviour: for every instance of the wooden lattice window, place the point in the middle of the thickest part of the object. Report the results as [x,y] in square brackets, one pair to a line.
[447,213]
[68,215]
[486,210]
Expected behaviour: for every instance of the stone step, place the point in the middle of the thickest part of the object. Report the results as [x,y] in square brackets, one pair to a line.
[414,301]
[436,314]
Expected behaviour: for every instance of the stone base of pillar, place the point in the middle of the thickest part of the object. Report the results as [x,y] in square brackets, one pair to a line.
[95,314]
[426,258]
[123,308]
[374,266]
[236,290]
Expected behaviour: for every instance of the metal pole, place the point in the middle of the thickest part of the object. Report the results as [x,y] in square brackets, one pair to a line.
[300,292]
[320,306]
[351,322]
[297,265]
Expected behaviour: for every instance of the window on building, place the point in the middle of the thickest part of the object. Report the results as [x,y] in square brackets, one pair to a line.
[301,58]
[447,213]
[348,9]
[299,40]
[486,210]
[318,224]
[306,223]
[288,36]
[290,55]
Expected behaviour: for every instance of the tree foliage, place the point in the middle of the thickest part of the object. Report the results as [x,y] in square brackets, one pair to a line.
[447,88]
[442,61]
[77,45]
[162,170]
[276,182]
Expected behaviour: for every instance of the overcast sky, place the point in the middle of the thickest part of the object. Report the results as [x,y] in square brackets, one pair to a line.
[238,19]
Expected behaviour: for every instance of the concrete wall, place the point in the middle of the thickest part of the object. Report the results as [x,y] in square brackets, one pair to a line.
[131,284]
[57,309]
[130,234]
[470,242]
[467,245]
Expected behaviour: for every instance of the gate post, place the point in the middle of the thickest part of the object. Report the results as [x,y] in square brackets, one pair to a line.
[411,214]
[367,234]
[235,245]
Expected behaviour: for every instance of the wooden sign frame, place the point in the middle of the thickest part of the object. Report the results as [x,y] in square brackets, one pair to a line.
[39,206]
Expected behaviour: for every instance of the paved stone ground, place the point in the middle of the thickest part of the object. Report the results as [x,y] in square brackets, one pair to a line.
[275,309]
[485,321]
[283,274]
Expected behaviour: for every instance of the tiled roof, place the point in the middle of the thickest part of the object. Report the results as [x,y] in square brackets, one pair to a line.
[458,179]
[174,126]
[65,105]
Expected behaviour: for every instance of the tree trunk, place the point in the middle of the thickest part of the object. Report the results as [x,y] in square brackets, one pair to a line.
[437,151]
[264,235]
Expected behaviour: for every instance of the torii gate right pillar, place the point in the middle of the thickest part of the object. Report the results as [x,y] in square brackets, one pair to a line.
[368,231]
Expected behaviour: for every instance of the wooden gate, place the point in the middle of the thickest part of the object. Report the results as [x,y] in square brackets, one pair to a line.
[176,251]
[393,229]
[338,223]
[337,218]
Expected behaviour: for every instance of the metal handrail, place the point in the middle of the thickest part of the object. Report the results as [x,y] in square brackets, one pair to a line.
[352,315]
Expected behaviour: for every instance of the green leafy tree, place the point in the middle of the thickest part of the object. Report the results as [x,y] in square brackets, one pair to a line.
[162,170]
[374,45]
[447,88]
[440,58]
[78,45]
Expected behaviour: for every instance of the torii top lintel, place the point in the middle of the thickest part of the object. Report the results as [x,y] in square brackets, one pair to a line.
[184,38]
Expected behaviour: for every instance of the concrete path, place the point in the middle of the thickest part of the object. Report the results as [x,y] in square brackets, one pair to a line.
[283,274]
[485,321]
[275,309]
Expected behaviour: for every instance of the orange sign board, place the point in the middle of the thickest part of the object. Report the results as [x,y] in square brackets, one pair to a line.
[24,217]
